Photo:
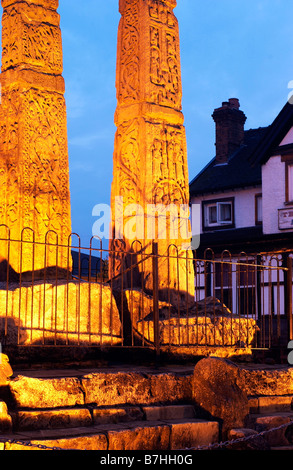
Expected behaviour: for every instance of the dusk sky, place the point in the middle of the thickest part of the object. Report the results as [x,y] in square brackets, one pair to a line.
[229,49]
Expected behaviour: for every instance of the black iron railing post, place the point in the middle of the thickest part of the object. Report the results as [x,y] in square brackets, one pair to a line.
[156,299]
[289,298]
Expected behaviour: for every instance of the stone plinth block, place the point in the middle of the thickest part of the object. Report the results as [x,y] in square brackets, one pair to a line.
[202,331]
[70,313]
[210,329]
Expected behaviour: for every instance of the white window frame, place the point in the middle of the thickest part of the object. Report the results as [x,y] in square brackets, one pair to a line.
[218,205]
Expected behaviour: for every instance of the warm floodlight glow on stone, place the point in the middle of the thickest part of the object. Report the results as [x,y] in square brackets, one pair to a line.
[33,145]
[150,156]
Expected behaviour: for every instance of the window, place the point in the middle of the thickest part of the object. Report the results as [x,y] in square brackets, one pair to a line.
[218,213]
[258,209]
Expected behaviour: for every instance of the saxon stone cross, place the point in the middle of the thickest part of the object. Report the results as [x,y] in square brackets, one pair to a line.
[150,155]
[34,171]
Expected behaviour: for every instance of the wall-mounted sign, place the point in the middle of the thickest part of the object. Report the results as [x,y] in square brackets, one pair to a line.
[286,219]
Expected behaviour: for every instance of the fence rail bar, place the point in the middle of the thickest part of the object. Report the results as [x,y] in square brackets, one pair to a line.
[240,300]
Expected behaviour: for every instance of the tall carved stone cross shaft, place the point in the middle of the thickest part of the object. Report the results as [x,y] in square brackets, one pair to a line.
[34,171]
[150,156]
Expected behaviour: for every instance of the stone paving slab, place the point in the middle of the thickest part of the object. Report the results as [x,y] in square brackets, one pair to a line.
[55,418]
[103,388]
[141,435]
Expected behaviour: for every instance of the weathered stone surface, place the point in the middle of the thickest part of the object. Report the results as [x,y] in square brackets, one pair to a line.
[28,392]
[267,381]
[192,351]
[34,172]
[5,418]
[274,404]
[171,412]
[116,389]
[141,305]
[255,443]
[117,415]
[53,419]
[216,390]
[207,323]
[5,370]
[202,331]
[210,306]
[192,434]
[281,437]
[150,135]
[140,438]
[110,389]
[170,388]
[66,313]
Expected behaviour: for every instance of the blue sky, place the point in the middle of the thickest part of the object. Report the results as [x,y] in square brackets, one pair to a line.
[229,48]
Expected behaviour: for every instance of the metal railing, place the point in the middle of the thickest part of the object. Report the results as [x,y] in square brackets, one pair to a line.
[238,301]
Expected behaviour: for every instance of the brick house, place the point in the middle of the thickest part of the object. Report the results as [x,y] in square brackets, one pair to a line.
[246,203]
[246,190]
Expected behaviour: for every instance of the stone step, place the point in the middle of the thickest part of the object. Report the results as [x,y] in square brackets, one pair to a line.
[102,388]
[171,412]
[57,418]
[24,420]
[270,404]
[140,435]
[281,437]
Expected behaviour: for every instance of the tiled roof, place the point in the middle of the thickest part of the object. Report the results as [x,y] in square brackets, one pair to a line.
[238,172]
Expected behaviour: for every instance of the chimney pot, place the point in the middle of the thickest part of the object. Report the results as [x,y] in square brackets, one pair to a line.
[234,103]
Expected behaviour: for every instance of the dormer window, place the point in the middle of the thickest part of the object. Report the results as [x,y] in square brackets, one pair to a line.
[218,214]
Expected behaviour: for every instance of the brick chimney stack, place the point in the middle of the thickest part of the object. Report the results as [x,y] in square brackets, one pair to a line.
[230,122]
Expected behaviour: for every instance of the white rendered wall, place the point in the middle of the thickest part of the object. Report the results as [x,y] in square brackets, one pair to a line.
[244,205]
[273,181]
